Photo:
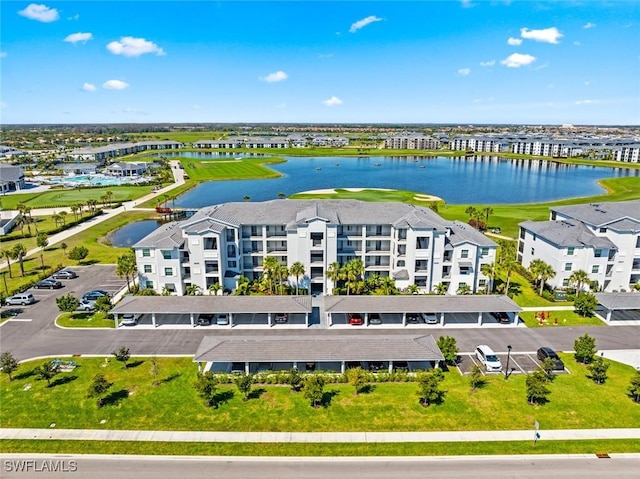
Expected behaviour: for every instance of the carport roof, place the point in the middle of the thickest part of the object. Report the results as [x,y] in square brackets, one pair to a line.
[419,303]
[218,304]
[617,301]
[313,347]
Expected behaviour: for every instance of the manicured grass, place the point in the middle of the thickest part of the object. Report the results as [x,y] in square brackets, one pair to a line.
[56,198]
[85,320]
[524,293]
[181,136]
[315,449]
[565,318]
[134,403]
[230,169]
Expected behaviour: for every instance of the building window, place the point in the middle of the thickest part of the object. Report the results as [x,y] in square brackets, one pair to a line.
[400,263]
[484,251]
[603,230]
[146,252]
[568,266]
[166,254]
[565,282]
[482,283]
[422,265]
[168,271]
[522,233]
[147,268]
[598,253]
[638,242]
[149,284]
[464,253]
[210,243]
[533,251]
[422,242]
[231,235]
[570,250]
[232,264]
[595,268]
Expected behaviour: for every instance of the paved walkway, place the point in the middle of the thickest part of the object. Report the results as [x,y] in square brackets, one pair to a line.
[316,437]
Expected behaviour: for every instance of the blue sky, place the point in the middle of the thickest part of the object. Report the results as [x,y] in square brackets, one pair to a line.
[463,62]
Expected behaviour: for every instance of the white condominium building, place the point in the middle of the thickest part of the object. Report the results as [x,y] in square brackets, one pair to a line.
[412,142]
[602,239]
[220,243]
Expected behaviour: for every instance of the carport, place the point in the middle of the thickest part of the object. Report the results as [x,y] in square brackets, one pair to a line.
[628,304]
[478,305]
[265,306]
[314,352]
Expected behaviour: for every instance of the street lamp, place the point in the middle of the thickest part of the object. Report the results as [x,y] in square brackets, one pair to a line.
[506,372]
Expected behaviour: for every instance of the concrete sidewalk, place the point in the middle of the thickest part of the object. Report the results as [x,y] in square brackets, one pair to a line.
[317,437]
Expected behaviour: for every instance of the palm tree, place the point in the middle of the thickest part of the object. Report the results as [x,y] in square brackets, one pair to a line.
[19,252]
[464,289]
[489,270]
[63,217]
[243,286]
[193,290]
[246,198]
[297,269]
[56,218]
[413,289]
[214,288]
[281,272]
[354,270]
[487,211]
[541,271]
[42,242]
[126,267]
[8,254]
[387,286]
[269,265]
[74,210]
[470,211]
[334,273]
[281,196]
[441,289]
[579,278]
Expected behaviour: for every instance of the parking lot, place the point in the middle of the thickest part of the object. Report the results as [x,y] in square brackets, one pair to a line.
[519,363]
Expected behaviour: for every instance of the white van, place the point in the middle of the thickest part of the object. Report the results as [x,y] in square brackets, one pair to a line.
[488,358]
[20,298]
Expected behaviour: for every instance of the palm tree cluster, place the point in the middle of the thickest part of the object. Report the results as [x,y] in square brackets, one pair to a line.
[349,278]
[479,218]
[541,272]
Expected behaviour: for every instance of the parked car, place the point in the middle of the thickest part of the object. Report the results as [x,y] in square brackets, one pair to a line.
[222,319]
[94,294]
[501,317]
[375,366]
[414,318]
[65,274]
[48,284]
[129,319]
[430,318]
[355,319]
[548,353]
[374,318]
[87,306]
[20,298]
[204,319]
[488,358]
[281,318]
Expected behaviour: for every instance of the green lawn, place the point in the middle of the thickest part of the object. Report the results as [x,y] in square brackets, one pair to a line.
[565,318]
[230,169]
[133,403]
[403,196]
[85,320]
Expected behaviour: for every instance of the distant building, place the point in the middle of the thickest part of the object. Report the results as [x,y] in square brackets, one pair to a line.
[11,178]
[478,143]
[413,141]
[127,169]
[103,153]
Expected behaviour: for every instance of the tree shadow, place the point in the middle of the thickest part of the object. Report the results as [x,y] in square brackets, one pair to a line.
[88,262]
[168,379]
[223,397]
[62,380]
[480,384]
[134,364]
[26,374]
[327,397]
[115,398]
[256,393]
[367,389]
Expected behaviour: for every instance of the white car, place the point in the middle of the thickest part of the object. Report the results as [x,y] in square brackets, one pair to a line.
[87,306]
[129,319]
[488,358]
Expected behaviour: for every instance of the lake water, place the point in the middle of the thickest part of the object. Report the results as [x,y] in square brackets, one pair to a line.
[480,179]
[130,234]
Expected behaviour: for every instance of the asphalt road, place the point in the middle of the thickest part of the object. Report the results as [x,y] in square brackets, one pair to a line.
[145,467]
[34,333]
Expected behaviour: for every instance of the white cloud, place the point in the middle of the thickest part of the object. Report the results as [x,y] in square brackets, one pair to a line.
[89,87]
[75,17]
[467,3]
[275,77]
[78,37]
[514,41]
[577,43]
[115,85]
[363,23]
[41,13]
[464,71]
[490,63]
[134,47]
[546,35]
[586,102]
[334,100]
[3,54]
[589,25]
[325,55]
[516,60]
[587,82]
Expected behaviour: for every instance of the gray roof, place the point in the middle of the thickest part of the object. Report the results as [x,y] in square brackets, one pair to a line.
[313,347]
[603,214]
[168,236]
[419,303]
[615,301]
[10,172]
[567,233]
[464,233]
[213,304]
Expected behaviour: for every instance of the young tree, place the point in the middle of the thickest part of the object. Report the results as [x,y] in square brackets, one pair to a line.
[634,387]
[537,390]
[42,241]
[122,355]
[548,366]
[193,290]
[585,349]
[8,364]
[64,247]
[579,278]
[357,378]
[476,378]
[103,304]
[314,389]
[441,289]
[67,303]
[205,384]
[78,253]
[429,386]
[47,371]
[127,267]
[8,255]
[541,271]
[19,252]
[154,370]
[294,379]
[585,304]
[99,385]
[449,348]
[489,270]
[598,370]
[244,382]
[297,269]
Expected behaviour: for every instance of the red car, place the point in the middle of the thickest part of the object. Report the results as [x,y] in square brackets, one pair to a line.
[355,319]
